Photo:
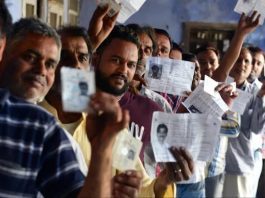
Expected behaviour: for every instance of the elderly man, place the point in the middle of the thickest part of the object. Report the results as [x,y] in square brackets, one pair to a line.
[36,153]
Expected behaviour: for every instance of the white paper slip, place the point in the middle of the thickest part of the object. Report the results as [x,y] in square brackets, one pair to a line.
[126,151]
[169,76]
[241,101]
[128,8]
[210,85]
[77,87]
[202,102]
[114,6]
[248,6]
[245,6]
[260,8]
[198,133]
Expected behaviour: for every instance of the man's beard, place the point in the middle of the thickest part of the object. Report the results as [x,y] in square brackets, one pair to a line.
[103,84]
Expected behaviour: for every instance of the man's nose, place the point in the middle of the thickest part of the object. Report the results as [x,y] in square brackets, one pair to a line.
[41,68]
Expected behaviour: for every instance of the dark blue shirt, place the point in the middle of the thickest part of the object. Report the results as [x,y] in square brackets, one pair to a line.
[35,154]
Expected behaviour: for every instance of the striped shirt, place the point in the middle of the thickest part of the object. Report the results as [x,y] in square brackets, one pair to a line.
[36,156]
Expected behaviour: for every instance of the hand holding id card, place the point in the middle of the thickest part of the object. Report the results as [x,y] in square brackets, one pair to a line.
[126,151]
[114,6]
[77,87]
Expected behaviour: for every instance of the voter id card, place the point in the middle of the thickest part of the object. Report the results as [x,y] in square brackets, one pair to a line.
[126,151]
[77,87]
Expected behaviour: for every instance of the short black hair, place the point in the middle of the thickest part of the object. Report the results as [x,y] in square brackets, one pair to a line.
[161,126]
[189,57]
[206,47]
[5,18]
[165,33]
[176,46]
[77,31]
[255,49]
[120,32]
[144,30]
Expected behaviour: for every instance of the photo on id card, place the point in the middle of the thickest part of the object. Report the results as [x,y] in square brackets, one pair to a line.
[77,87]
[126,151]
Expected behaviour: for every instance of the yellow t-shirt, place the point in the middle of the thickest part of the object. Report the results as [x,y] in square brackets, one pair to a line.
[80,135]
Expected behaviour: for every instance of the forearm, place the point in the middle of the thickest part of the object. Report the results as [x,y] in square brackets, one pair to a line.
[98,180]
[230,57]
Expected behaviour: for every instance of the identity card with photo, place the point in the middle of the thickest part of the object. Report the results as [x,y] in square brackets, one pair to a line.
[126,151]
[77,87]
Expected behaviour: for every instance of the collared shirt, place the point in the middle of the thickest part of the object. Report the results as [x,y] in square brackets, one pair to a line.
[36,155]
[78,132]
[256,84]
[242,150]
[80,136]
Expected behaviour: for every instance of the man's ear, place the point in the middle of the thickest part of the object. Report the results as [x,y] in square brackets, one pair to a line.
[2,46]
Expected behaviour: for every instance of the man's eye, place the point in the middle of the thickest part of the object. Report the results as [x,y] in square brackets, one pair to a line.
[31,58]
[147,50]
[132,65]
[164,50]
[83,58]
[116,60]
[51,65]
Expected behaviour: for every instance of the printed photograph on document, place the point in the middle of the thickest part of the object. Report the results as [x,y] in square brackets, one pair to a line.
[126,151]
[77,87]
[159,140]
[197,133]
[169,76]
[156,71]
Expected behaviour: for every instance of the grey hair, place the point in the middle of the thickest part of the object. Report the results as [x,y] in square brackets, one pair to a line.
[26,26]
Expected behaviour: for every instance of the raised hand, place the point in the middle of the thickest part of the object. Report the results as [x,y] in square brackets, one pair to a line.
[106,120]
[248,24]
[227,93]
[174,172]
[100,26]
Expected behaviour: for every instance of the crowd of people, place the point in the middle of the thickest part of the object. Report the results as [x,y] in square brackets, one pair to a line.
[47,152]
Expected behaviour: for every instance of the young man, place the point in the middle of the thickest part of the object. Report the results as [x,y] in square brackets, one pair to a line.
[115,64]
[244,157]
[258,61]
[164,44]
[208,58]
[148,46]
